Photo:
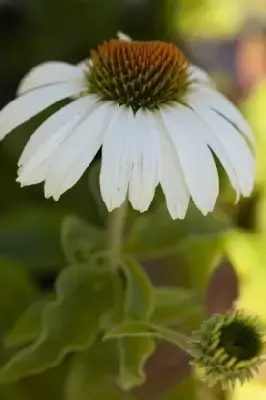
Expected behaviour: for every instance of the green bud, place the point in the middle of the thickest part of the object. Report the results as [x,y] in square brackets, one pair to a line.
[228,348]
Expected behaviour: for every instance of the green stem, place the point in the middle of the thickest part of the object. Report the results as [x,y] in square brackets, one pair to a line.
[115,229]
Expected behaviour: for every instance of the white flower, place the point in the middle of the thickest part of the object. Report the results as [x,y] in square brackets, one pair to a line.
[157,119]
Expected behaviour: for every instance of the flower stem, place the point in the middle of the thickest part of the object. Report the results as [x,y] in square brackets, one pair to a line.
[115,228]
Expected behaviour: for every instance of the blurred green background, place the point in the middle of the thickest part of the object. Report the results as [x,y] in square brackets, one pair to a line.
[227,38]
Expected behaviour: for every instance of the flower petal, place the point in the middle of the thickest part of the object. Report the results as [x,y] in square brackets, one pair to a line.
[117,158]
[130,158]
[42,137]
[49,73]
[216,101]
[25,107]
[171,176]
[123,36]
[77,152]
[146,155]
[36,169]
[194,155]
[199,75]
[207,133]
[33,176]
[238,152]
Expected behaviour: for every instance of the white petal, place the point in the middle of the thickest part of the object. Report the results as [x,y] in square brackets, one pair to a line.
[34,176]
[236,148]
[49,73]
[122,36]
[77,152]
[199,75]
[216,101]
[84,66]
[117,158]
[42,136]
[25,107]
[130,158]
[36,169]
[172,177]
[145,150]
[195,157]
[206,131]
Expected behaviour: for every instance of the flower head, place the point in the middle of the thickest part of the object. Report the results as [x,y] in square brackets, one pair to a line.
[229,348]
[156,118]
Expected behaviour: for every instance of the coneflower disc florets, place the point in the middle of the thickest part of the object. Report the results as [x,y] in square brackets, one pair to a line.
[229,348]
[138,74]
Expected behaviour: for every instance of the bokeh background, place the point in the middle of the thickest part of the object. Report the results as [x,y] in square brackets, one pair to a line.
[227,38]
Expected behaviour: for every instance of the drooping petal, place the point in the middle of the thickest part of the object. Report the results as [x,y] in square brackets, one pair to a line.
[117,158]
[49,73]
[195,158]
[216,101]
[37,166]
[237,150]
[171,176]
[32,177]
[25,107]
[77,152]
[130,157]
[42,137]
[205,132]
[144,175]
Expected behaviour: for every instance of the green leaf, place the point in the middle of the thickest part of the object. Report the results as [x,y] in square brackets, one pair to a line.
[79,239]
[71,323]
[16,293]
[28,327]
[92,371]
[157,235]
[173,305]
[131,329]
[93,374]
[139,298]
[139,304]
[133,352]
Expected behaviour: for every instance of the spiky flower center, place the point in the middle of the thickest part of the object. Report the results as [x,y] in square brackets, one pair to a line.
[240,340]
[228,347]
[138,74]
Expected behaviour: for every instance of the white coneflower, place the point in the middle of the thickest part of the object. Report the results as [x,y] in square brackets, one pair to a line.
[156,117]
